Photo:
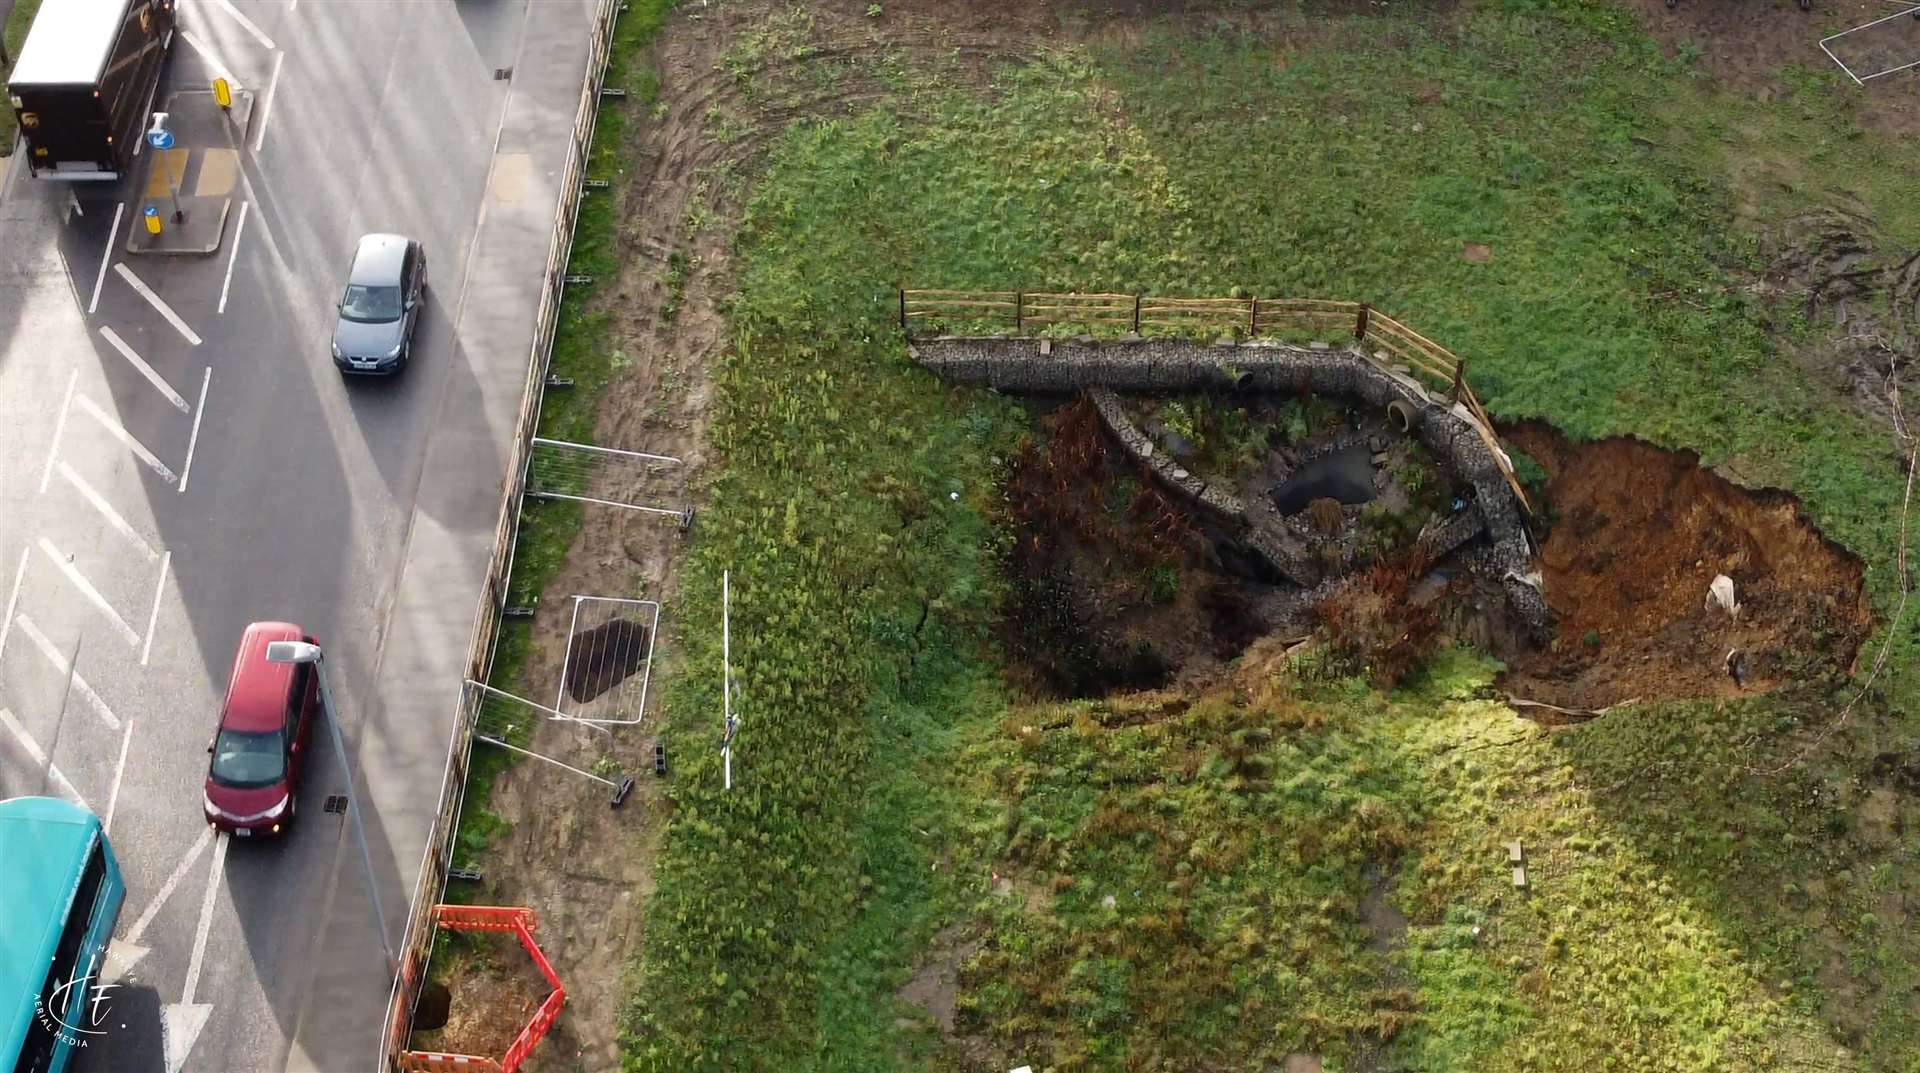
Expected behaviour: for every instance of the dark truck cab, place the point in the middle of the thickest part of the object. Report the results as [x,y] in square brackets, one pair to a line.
[84,84]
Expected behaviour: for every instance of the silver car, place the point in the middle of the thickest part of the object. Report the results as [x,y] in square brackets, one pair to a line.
[380,306]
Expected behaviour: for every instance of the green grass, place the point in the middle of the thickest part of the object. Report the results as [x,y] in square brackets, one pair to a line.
[19,20]
[1689,911]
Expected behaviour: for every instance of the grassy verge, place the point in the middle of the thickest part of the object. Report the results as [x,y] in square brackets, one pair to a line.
[19,20]
[580,351]
[1693,912]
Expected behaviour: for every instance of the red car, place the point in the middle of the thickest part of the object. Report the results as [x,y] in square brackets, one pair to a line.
[254,778]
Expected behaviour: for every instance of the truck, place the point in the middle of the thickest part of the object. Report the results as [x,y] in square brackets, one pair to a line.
[84,82]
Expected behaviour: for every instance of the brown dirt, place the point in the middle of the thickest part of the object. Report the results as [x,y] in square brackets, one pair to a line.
[1640,534]
[1748,48]
[495,991]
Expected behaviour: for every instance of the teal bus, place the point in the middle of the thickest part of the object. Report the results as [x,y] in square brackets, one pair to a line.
[60,890]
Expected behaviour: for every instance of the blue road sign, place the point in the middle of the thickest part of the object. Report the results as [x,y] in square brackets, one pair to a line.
[160,139]
[150,211]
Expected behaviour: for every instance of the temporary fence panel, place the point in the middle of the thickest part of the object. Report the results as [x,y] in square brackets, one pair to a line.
[609,660]
[1885,46]
[630,480]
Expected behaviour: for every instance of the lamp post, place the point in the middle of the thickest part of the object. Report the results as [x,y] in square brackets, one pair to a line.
[302,652]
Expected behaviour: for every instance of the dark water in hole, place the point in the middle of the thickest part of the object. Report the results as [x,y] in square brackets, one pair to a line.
[605,656]
[1345,475]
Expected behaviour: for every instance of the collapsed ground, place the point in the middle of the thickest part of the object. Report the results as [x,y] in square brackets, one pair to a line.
[1257,860]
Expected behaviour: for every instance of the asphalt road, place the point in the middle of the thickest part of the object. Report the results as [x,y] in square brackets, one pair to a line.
[183,460]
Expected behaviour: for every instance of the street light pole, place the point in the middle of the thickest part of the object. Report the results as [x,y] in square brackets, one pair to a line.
[353,811]
[303,652]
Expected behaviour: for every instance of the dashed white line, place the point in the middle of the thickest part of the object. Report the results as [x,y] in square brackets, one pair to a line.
[59,427]
[153,300]
[206,916]
[166,889]
[113,517]
[65,666]
[39,755]
[73,200]
[266,104]
[246,24]
[193,441]
[106,257]
[153,377]
[113,427]
[13,601]
[119,769]
[92,594]
[153,616]
[234,255]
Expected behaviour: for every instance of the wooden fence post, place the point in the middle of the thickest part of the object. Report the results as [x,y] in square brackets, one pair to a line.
[1019,312]
[1136,314]
[1360,324]
[1459,376]
[903,308]
[1253,316]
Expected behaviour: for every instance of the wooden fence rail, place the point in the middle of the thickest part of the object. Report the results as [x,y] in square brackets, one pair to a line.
[1252,316]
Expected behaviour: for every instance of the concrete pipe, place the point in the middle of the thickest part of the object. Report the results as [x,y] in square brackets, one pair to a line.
[1402,416]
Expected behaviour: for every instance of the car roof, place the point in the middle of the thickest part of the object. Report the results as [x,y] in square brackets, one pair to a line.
[257,691]
[376,261]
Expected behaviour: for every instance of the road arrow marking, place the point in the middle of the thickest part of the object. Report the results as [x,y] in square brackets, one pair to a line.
[122,956]
[206,919]
[180,1025]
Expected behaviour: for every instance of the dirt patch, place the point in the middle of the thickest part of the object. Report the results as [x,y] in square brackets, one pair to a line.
[934,988]
[1749,48]
[1638,535]
[1834,268]
[494,991]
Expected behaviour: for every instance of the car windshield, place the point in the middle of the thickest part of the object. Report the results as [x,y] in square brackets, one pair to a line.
[246,761]
[370,305]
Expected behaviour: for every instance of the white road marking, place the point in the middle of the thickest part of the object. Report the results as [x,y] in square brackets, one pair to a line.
[291,4]
[119,769]
[258,35]
[92,594]
[206,917]
[234,255]
[113,427]
[153,300]
[166,889]
[59,426]
[266,104]
[159,587]
[13,601]
[146,370]
[219,67]
[106,257]
[39,756]
[113,517]
[193,441]
[65,666]
[73,199]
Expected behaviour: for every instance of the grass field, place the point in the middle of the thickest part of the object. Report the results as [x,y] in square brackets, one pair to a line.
[1297,868]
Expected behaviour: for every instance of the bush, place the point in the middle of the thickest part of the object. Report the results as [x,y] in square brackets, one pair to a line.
[1371,622]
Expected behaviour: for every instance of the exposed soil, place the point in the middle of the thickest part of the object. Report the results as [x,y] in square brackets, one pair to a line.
[494,994]
[1639,536]
[1834,267]
[1749,47]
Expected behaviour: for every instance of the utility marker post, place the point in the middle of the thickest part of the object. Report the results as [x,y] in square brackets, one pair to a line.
[726,674]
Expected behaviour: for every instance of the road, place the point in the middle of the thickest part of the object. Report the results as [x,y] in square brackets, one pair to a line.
[185,460]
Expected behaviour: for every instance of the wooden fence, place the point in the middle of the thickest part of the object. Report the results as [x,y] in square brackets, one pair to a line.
[1250,317]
